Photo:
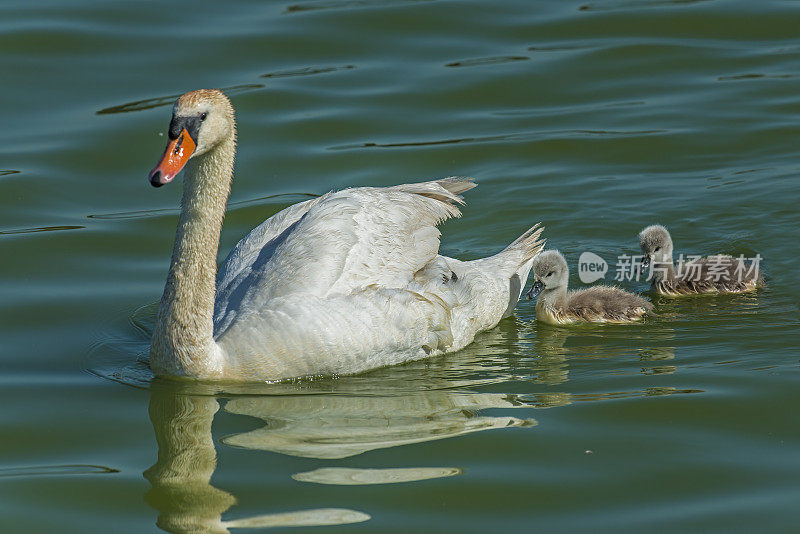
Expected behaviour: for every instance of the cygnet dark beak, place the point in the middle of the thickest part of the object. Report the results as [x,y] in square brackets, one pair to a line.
[536,288]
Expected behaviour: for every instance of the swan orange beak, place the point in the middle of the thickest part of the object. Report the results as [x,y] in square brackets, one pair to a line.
[175,156]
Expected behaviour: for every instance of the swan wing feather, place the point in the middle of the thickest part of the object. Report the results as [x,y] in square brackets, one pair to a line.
[241,257]
[337,244]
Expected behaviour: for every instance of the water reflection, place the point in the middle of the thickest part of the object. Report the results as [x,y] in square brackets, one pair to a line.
[333,426]
[551,400]
[181,489]
[325,419]
[556,345]
[653,360]
[351,476]
[331,419]
[181,477]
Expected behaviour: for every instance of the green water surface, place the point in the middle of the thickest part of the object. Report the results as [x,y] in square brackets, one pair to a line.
[596,117]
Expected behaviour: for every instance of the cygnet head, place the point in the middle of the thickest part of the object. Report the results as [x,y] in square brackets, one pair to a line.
[656,245]
[550,272]
[201,120]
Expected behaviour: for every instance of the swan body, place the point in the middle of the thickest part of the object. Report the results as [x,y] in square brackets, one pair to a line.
[339,284]
[596,304]
[713,274]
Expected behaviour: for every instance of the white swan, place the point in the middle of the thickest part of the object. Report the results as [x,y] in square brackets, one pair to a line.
[340,284]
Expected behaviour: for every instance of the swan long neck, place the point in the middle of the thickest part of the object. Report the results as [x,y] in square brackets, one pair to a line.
[183,341]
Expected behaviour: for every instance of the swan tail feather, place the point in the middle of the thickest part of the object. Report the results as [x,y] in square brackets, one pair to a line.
[528,244]
[523,250]
[447,190]
[457,184]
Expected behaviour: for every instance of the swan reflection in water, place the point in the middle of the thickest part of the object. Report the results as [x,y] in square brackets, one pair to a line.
[338,418]
[326,419]
[333,426]
[181,489]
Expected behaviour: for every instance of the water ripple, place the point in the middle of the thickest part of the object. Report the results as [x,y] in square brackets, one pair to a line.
[347,4]
[305,71]
[638,4]
[755,76]
[556,48]
[503,137]
[425,143]
[143,214]
[486,61]
[41,229]
[56,470]
[556,399]
[150,103]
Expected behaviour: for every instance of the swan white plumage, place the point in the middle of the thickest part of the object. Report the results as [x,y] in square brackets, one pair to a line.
[339,284]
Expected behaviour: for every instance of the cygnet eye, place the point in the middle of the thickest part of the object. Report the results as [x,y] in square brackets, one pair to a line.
[550,274]
[657,249]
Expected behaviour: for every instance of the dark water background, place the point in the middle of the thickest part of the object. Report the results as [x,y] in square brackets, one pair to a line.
[595,117]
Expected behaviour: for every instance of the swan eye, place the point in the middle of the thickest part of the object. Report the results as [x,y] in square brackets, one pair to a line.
[203,115]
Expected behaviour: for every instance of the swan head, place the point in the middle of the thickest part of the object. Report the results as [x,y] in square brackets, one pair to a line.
[656,245]
[201,120]
[550,271]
